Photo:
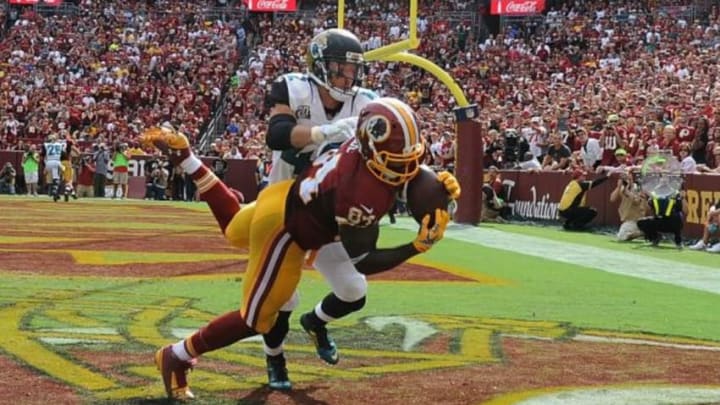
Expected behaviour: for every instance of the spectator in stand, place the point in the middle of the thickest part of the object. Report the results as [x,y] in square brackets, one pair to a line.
[710,230]
[590,150]
[31,168]
[573,203]
[632,206]
[687,163]
[558,154]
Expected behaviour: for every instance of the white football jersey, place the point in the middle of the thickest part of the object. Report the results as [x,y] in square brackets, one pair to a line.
[305,102]
[54,150]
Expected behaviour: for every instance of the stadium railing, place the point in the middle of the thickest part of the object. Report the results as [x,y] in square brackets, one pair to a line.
[64,8]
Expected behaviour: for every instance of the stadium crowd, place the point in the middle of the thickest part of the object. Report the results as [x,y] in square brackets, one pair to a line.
[105,74]
[589,84]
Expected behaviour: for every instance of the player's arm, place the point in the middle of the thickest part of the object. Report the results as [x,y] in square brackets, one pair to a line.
[285,133]
[283,130]
[361,245]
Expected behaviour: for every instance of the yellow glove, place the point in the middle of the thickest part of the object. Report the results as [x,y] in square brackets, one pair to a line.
[171,142]
[164,138]
[429,235]
[451,184]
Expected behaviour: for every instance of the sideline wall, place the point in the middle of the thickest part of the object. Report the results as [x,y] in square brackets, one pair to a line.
[240,174]
[535,196]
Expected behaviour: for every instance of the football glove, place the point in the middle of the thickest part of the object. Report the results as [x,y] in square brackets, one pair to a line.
[171,142]
[336,132]
[451,184]
[429,235]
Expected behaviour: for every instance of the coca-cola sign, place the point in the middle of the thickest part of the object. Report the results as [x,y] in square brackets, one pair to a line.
[272,5]
[33,2]
[517,7]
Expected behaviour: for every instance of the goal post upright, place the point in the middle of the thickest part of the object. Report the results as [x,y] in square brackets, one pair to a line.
[468,146]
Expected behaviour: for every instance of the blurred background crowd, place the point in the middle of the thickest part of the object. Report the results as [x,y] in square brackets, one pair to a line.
[587,84]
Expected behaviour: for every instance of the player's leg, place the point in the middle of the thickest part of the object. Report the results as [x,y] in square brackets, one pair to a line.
[349,289]
[268,311]
[272,275]
[273,346]
[223,203]
[53,168]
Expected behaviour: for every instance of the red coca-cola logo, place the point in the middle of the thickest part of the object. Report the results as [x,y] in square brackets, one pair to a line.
[272,5]
[524,7]
[517,7]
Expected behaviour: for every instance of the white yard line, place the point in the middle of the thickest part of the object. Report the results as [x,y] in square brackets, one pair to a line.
[691,276]
[646,395]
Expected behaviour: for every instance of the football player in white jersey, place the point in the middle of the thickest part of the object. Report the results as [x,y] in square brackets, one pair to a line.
[309,113]
[52,152]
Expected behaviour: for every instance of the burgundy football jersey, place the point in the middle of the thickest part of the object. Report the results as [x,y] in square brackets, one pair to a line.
[337,189]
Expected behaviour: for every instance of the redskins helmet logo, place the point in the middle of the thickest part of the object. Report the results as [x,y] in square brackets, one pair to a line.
[378,128]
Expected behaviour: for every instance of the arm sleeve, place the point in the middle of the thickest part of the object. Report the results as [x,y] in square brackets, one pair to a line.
[279,132]
[280,125]
[278,94]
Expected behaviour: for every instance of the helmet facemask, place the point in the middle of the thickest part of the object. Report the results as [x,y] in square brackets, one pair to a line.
[396,168]
[325,70]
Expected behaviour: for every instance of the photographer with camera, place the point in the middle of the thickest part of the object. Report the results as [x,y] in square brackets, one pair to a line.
[100,158]
[159,179]
[120,159]
[7,179]
[632,207]
[711,229]
[516,149]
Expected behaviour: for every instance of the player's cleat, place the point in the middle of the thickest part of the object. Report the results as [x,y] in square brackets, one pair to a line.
[324,344]
[174,373]
[277,373]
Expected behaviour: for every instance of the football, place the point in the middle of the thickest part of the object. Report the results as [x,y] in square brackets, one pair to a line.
[425,193]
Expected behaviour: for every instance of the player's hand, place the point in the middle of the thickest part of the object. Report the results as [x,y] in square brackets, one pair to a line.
[336,132]
[451,184]
[430,235]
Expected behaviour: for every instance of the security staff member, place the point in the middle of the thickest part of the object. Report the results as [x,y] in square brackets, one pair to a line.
[668,216]
[573,205]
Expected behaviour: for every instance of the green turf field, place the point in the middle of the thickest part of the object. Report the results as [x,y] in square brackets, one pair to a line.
[537,281]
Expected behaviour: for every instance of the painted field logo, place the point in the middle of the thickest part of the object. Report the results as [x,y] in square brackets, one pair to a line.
[74,350]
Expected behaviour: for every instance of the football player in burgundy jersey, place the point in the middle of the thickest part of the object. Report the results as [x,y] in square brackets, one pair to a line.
[340,199]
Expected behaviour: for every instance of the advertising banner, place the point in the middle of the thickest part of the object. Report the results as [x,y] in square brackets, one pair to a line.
[272,5]
[516,7]
[33,2]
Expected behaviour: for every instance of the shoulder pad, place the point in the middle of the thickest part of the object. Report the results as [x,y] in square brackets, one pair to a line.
[295,76]
[367,93]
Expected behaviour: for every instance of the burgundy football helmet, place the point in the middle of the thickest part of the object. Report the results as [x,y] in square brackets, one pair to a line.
[390,141]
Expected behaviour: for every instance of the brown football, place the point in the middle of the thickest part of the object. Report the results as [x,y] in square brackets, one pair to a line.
[424,194]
